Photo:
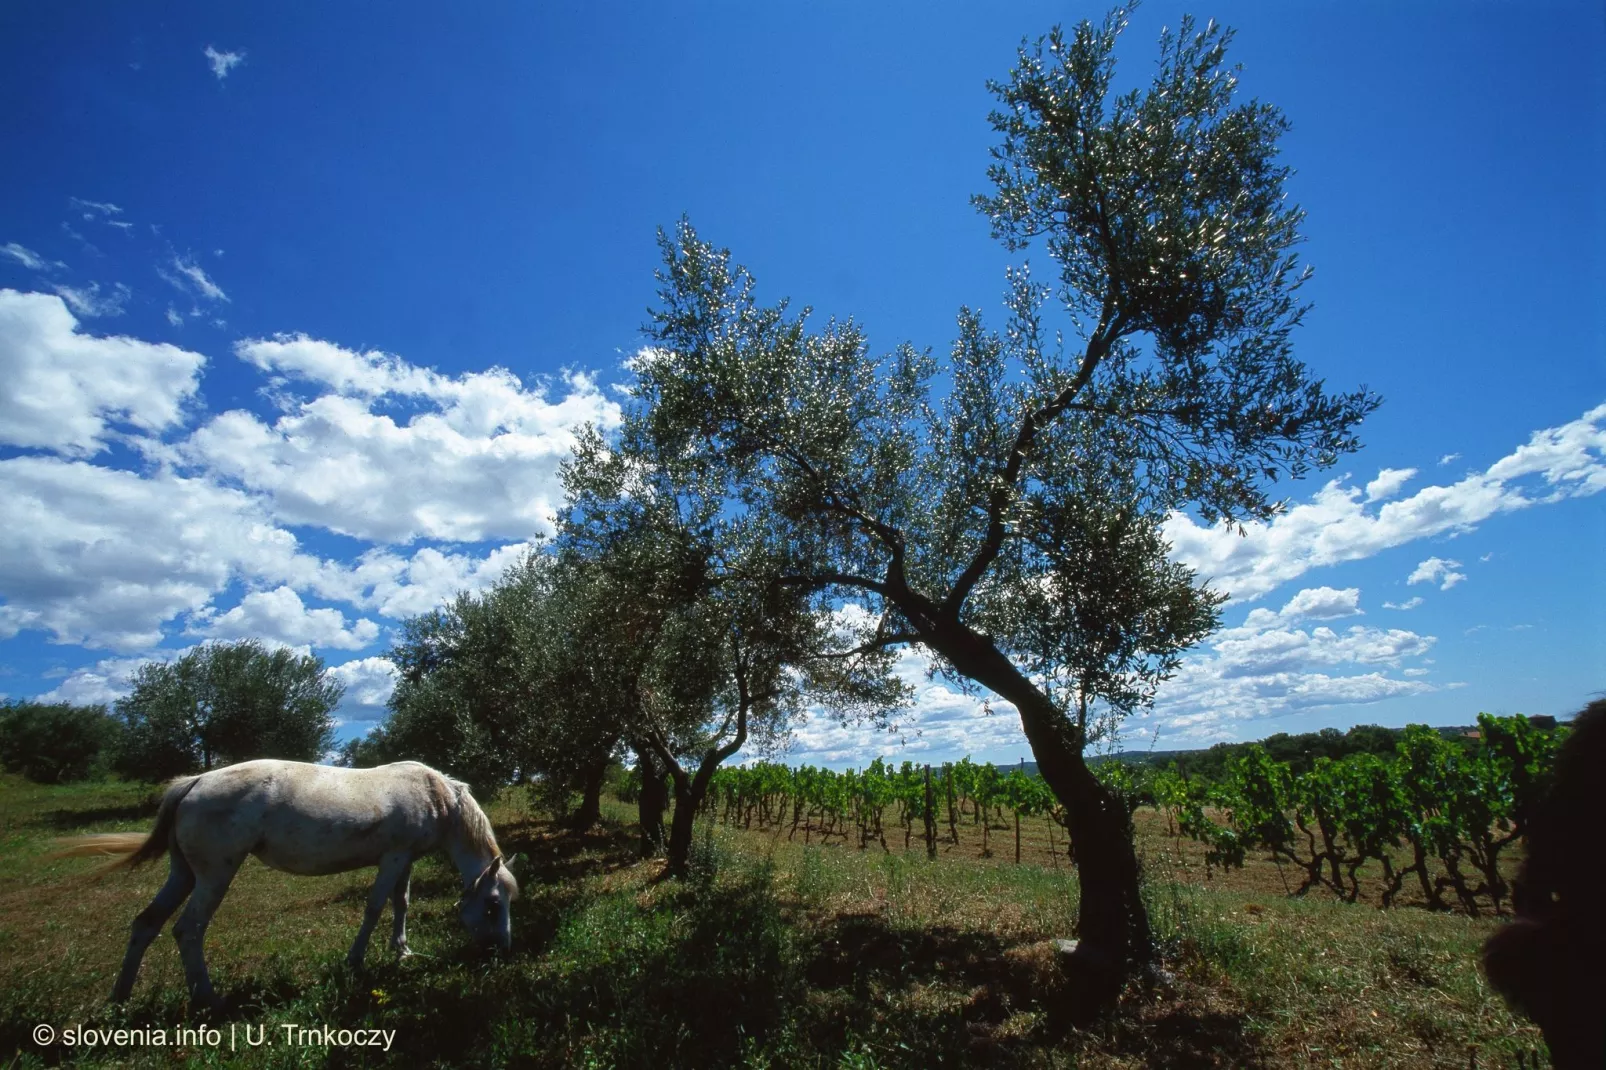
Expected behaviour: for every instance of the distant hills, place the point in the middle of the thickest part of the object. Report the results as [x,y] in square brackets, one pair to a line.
[1299,750]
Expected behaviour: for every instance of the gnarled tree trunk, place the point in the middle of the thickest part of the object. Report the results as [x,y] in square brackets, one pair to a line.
[651,803]
[1113,924]
[590,811]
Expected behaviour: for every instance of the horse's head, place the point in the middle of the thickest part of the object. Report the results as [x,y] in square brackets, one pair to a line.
[485,906]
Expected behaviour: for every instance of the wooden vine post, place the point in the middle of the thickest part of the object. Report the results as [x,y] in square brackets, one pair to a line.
[953,821]
[931,818]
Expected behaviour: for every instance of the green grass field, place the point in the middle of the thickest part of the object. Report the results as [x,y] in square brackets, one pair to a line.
[775,954]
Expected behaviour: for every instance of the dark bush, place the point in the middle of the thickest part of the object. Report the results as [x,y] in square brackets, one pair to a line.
[54,743]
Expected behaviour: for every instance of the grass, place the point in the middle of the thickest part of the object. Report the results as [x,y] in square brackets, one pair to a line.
[774,954]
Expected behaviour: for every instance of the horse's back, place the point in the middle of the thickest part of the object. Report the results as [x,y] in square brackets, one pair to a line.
[307,818]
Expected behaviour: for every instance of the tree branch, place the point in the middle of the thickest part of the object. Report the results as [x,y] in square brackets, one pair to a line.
[1031,427]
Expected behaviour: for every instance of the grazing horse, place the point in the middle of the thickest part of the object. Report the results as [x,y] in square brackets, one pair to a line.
[311,820]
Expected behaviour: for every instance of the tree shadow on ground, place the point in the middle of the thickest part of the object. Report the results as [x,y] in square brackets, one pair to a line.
[967,997]
[72,820]
[555,855]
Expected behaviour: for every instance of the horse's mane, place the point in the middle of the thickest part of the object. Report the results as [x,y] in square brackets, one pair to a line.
[475,826]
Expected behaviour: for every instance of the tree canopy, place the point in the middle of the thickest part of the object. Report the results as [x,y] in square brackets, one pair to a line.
[1003,508]
[226,702]
[57,742]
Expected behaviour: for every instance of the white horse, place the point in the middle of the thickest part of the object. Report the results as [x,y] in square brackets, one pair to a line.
[311,820]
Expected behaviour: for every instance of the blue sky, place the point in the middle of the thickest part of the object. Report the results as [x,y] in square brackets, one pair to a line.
[301,306]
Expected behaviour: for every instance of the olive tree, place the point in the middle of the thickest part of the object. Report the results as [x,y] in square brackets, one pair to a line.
[226,702]
[486,690]
[692,633]
[1002,509]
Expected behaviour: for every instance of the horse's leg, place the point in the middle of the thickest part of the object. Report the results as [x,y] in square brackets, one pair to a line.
[211,884]
[391,867]
[149,922]
[398,910]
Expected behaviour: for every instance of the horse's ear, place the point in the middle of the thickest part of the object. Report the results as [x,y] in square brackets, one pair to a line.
[490,873]
[516,860]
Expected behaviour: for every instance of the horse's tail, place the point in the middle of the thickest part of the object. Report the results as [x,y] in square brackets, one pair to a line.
[135,848]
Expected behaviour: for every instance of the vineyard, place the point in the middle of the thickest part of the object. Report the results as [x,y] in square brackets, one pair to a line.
[1435,819]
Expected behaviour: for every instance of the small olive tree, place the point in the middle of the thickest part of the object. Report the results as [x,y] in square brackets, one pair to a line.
[694,635]
[226,702]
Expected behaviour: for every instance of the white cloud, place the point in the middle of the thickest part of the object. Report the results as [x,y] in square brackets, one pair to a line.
[1285,650]
[1388,483]
[223,62]
[108,558]
[1336,525]
[279,616]
[174,317]
[63,387]
[478,462]
[87,301]
[943,723]
[28,258]
[1448,457]
[103,683]
[400,587]
[1437,570]
[1322,603]
[104,558]
[1264,668]
[292,357]
[93,210]
[1410,603]
[369,682]
[192,277]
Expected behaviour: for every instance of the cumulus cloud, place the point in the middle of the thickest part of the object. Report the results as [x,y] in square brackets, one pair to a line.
[65,388]
[1437,570]
[490,445]
[1336,525]
[1411,603]
[1313,603]
[1388,483]
[400,587]
[223,62]
[104,558]
[942,723]
[279,616]
[88,301]
[369,682]
[100,684]
[1266,667]
[107,558]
